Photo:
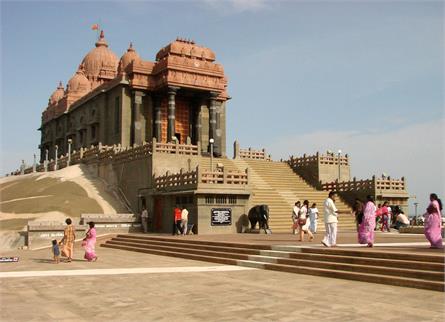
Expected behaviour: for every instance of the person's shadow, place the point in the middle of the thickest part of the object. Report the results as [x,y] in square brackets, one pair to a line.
[50,260]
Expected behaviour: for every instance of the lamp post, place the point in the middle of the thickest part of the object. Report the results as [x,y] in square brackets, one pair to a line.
[69,152]
[211,141]
[339,163]
[56,147]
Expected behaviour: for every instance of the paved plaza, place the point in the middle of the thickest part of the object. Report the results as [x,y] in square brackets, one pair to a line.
[127,286]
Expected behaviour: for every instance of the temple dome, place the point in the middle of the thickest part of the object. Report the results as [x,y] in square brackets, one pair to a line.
[79,84]
[99,58]
[127,58]
[57,94]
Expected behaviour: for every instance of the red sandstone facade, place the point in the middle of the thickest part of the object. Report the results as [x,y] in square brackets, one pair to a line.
[180,96]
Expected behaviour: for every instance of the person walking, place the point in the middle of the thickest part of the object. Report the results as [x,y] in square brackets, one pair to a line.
[357,211]
[184,220]
[295,213]
[144,219]
[330,221]
[433,222]
[313,217]
[89,243]
[68,240]
[367,225]
[385,217]
[303,222]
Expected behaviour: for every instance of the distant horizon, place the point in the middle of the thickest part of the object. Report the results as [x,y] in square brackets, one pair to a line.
[363,77]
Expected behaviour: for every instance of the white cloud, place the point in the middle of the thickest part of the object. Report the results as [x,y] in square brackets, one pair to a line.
[236,6]
[415,152]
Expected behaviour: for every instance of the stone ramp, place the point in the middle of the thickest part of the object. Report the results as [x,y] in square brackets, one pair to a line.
[415,270]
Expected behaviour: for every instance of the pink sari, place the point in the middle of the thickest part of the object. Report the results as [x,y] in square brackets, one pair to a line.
[366,228]
[433,223]
[89,244]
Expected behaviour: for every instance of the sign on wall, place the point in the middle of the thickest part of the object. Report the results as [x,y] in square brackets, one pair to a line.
[221,217]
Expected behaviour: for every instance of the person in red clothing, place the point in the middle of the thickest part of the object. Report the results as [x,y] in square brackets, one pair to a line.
[385,214]
[177,229]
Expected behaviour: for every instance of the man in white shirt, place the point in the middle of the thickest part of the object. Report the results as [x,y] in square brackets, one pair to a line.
[295,214]
[184,220]
[330,221]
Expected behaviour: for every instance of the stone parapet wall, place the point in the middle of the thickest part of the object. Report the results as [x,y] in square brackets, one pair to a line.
[40,234]
[321,168]
[249,153]
[199,178]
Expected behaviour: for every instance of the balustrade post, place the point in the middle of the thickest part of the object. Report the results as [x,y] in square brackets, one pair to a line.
[236,150]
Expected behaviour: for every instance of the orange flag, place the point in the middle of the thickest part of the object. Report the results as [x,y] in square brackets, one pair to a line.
[95,27]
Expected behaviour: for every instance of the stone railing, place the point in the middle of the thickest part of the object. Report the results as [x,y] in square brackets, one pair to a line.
[116,153]
[373,186]
[249,153]
[196,178]
[307,160]
[176,148]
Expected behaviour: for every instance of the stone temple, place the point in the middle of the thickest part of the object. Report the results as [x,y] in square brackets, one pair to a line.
[155,131]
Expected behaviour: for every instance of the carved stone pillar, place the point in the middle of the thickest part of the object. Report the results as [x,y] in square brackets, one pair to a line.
[157,118]
[197,122]
[171,113]
[212,121]
[138,119]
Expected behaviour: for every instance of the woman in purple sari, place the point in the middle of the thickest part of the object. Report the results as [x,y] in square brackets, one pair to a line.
[367,223]
[433,222]
[89,243]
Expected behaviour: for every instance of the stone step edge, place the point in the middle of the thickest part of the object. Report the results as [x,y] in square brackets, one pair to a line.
[405,282]
[344,252]
[429,275]
[378,262]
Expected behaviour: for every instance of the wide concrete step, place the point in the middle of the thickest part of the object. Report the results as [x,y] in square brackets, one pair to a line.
[429,266]
[238,254]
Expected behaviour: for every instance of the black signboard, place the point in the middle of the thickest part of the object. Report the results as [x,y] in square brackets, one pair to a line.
[221,217]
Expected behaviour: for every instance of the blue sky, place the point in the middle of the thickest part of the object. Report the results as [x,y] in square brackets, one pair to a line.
[364,77]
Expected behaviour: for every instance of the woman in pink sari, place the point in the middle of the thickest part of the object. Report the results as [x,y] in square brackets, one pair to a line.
[433,222]
[89,243]
[367,223]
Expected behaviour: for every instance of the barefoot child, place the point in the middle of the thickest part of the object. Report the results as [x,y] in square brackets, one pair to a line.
[56,251]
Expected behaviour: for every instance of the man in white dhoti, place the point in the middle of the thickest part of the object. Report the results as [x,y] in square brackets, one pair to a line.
[330,221]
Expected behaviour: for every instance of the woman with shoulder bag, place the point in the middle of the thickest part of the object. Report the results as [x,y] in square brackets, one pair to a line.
[303,221]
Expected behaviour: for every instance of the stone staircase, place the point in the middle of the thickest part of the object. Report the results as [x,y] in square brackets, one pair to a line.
[277,185]
[419,270]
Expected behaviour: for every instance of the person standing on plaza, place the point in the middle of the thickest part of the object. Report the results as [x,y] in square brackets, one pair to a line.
[330,221]
[385,217]
[295,213]
[184,220]
[144,219]
[177,221]
[433,222]
[313,217]
[357,211]
[303,222]
[89,243]
[366,227]
[68,240]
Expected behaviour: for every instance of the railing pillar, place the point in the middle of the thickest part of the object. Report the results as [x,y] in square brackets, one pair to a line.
[236,150]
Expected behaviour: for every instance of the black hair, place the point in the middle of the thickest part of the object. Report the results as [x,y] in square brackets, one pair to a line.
[54,242]
[435,197]
[314,205]
[331,193]
[370,198]
[68,221]
[298,202]
[306,202]
[91,223]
